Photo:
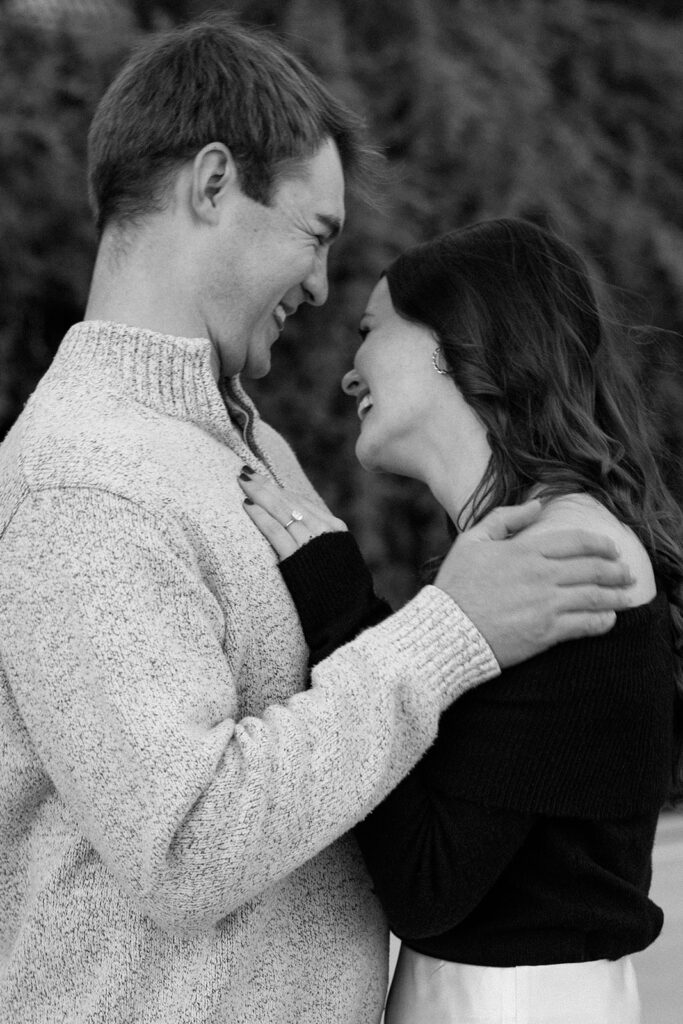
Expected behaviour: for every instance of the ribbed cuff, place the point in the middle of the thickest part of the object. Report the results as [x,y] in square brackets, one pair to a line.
[327,579]
[432,635]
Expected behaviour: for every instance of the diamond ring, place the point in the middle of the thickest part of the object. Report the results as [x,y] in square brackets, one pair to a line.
[296,518]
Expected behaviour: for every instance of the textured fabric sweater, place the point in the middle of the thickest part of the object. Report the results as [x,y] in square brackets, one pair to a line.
[173,799]
[524,835]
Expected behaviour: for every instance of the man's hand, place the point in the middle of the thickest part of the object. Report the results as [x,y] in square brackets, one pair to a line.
[526,592]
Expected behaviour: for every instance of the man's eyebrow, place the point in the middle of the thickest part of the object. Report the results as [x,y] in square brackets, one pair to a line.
[333,225]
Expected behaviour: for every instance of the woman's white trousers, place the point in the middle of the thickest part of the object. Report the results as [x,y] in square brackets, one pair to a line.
[429,991]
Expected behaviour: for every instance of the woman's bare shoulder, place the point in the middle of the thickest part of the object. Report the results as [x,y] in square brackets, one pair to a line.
[581,511]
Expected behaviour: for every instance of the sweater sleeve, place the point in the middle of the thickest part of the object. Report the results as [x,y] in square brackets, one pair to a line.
[433,857]
[120,664]
[333,592]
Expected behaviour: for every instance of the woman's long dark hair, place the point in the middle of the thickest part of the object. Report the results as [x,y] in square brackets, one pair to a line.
[524,340]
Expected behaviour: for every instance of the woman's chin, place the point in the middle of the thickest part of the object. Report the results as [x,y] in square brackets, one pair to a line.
[369,457]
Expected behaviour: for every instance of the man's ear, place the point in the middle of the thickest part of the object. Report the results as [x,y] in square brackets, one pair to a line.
[214,174]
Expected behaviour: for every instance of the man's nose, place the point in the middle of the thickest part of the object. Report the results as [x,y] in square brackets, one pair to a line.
[350,382]
[316,287]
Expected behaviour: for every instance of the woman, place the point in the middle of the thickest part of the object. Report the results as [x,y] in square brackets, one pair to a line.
[515,860]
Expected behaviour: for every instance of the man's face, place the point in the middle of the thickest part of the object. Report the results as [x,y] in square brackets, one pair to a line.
[267,260]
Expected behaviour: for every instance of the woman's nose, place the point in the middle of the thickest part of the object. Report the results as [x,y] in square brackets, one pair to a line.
[350,382]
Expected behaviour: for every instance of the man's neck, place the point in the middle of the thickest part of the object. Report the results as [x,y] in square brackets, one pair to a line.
[134,283]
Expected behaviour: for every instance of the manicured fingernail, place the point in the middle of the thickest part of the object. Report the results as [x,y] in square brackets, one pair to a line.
[248,501]
[245,477]
[248,469]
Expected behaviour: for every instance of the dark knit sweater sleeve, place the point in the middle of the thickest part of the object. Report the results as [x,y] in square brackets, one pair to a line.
[583,730]
[332,589]
[333,593]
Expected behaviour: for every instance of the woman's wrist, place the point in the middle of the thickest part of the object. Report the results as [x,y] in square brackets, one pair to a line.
[332,589]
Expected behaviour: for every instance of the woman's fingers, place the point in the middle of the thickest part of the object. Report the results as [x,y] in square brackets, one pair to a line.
[284,510]
[277,536]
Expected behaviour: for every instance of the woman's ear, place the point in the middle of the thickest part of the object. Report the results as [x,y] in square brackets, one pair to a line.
[214,174]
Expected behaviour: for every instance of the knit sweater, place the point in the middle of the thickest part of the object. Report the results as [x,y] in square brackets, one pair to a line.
[524,835]
[173,800]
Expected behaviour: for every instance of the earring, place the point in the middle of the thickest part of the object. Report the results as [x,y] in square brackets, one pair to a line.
[435,360]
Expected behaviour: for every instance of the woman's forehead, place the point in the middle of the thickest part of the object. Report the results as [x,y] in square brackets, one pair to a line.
[379,301]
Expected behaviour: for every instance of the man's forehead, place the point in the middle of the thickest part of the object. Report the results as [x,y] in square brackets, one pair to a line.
[325,178]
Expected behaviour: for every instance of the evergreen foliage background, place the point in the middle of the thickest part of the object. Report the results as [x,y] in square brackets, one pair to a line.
[568,112]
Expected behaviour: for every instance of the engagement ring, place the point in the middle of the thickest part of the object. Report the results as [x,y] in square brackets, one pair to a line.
[296,518]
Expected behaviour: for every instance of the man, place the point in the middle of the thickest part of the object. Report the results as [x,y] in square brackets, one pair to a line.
[174,800]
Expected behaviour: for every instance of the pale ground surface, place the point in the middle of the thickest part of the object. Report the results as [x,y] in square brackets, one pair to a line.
[659,968]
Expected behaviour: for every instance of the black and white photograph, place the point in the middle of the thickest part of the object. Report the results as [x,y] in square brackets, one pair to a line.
[341,512]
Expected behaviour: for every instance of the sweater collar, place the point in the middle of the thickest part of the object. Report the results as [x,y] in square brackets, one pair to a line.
[169,374]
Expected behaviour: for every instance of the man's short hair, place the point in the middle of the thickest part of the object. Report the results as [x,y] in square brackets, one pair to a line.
[209,81]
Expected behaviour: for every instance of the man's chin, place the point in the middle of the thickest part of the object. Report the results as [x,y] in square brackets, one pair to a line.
[256,369]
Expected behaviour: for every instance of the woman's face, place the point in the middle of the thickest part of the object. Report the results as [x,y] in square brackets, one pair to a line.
[413,420]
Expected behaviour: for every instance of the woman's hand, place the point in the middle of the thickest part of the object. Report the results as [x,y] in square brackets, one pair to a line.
[287,520]
[328,580]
